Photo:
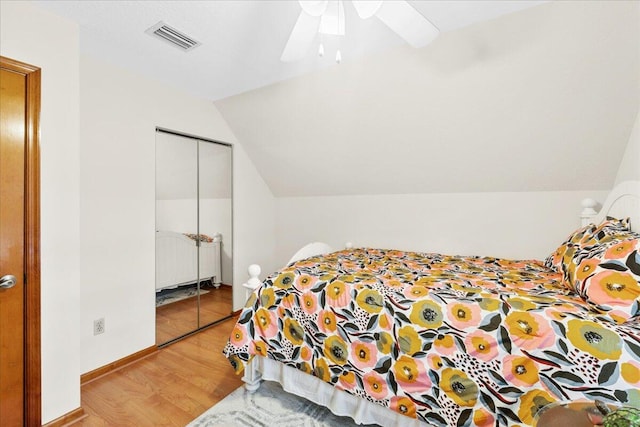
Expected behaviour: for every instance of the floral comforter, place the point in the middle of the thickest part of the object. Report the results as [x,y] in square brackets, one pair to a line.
[450,340]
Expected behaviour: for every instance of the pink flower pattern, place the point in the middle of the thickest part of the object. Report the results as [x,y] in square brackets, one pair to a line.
[484,340]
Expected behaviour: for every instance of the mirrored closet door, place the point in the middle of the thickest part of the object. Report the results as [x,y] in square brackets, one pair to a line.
[193,234]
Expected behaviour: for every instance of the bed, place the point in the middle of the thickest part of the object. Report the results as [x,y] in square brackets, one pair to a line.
[177,259]
[414,339]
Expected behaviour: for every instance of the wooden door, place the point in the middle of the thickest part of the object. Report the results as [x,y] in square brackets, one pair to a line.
[19,245]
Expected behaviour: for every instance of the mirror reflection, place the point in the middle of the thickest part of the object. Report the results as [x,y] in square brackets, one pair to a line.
[193,234]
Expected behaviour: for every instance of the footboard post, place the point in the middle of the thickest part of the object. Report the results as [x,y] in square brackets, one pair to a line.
[254,281]
[251,375]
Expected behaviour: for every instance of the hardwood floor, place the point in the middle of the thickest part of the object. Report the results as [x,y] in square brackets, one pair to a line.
[178,318]
[168,388]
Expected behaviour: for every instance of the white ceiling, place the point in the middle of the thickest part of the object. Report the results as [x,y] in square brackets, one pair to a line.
[241,40]
[541,99]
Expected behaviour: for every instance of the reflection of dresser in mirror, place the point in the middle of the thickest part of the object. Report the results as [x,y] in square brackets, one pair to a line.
[193,234]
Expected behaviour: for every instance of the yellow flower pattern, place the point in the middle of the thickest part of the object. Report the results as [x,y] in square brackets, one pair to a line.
[531,402]
[594,339]
[426,313]
[603,267]
[409,340]
[459,387]
[336,350]
[450,340]
[370,300]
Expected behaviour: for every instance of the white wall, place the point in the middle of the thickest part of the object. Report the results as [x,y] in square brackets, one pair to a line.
[119,114]
[510,225]
[630,165]
[215,217]
[254,219]
[29,34]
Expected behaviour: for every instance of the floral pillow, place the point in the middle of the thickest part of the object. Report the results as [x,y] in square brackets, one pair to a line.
[607,276]
[608,230]
[565,252]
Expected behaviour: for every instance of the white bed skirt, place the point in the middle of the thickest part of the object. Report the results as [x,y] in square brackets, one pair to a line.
[338,401]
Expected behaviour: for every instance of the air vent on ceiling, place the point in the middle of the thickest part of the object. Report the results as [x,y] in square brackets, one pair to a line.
[173,36]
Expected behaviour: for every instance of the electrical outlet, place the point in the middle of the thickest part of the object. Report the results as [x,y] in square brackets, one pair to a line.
[98,326]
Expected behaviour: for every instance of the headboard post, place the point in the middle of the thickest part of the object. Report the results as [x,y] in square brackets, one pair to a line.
[623,201]
[588,211]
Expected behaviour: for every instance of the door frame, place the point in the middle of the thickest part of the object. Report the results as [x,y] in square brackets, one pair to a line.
[32,361]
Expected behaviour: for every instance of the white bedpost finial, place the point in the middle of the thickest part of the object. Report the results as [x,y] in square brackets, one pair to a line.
[254,281]
[348,245]
[254,272]
[588,211]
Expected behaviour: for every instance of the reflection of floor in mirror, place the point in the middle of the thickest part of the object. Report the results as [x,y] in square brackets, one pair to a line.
[168,296]
[178,318]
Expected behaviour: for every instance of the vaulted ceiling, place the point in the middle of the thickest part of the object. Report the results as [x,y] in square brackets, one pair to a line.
[509,97]
[537,100]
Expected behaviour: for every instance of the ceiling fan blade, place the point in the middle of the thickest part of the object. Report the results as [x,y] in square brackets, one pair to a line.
[314,7]
[366,8]
[407,22]
[302,35]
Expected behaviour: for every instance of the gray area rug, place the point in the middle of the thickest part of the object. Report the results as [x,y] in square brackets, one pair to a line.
[269,406]
[172,295]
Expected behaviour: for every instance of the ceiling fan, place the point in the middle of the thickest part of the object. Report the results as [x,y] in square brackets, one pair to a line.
[327,17]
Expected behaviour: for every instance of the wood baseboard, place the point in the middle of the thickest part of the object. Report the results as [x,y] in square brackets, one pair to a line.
[67,419]
[113,366]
